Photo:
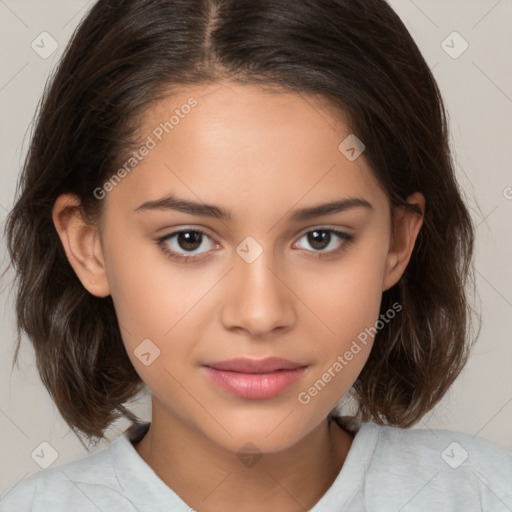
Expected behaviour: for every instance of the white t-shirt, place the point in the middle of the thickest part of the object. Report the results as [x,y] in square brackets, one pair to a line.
[387,469]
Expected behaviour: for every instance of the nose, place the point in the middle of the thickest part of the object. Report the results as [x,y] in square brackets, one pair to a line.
[258,300]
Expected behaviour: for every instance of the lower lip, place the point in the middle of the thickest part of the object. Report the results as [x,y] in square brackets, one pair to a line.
[255,385]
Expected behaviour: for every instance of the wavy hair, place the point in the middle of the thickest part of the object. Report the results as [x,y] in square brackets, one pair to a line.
[127,54]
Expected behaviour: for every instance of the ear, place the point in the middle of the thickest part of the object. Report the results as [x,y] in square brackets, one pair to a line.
[82,244]
[406,224]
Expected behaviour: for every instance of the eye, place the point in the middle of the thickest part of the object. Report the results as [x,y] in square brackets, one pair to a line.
[187,240]
[191,241]
[322,238]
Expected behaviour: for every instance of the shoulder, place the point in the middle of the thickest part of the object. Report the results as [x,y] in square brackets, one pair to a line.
[88,483]
[440,466]
[454,449]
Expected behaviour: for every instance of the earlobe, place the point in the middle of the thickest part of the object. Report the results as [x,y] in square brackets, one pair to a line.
[82,244]
[407,224]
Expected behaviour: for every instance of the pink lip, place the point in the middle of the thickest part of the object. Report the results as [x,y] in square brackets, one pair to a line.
[255,378]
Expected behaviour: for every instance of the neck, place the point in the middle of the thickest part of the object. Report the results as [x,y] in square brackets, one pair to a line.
[210,479]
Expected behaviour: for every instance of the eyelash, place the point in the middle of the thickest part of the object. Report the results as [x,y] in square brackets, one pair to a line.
[173,255]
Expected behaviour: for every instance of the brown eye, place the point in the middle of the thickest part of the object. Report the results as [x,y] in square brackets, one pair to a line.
[178,245]
[320,239]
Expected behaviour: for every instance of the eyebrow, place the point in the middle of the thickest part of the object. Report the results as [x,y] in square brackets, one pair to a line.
[171,202]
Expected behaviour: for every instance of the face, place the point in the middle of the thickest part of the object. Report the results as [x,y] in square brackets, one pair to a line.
[260,280]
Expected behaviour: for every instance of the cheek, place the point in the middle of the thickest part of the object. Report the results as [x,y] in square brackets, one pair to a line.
[144,287]
[347,302]
[158,301]
[346,294]
[148,290]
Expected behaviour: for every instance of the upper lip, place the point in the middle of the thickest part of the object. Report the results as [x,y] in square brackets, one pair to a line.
[249,365]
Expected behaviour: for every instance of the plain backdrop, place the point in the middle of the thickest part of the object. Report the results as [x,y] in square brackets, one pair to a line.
[477,87]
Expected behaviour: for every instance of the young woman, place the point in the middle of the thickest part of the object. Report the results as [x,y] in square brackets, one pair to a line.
[250,209]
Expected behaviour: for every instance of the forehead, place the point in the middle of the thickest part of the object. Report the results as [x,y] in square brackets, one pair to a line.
[227,141]
[247,116]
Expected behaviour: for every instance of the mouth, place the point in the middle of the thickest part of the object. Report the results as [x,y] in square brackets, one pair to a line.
[255,378]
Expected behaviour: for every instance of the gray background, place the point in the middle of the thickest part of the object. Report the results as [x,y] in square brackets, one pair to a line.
[477,88]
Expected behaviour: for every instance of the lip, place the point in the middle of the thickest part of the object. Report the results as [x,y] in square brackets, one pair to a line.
[250,365]
[255,378]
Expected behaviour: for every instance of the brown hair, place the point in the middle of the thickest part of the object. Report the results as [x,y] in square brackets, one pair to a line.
[127,54]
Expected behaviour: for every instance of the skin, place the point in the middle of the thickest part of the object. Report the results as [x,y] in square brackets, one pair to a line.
[261,155]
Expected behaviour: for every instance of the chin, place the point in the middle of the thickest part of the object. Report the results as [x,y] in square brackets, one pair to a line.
[268,433]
